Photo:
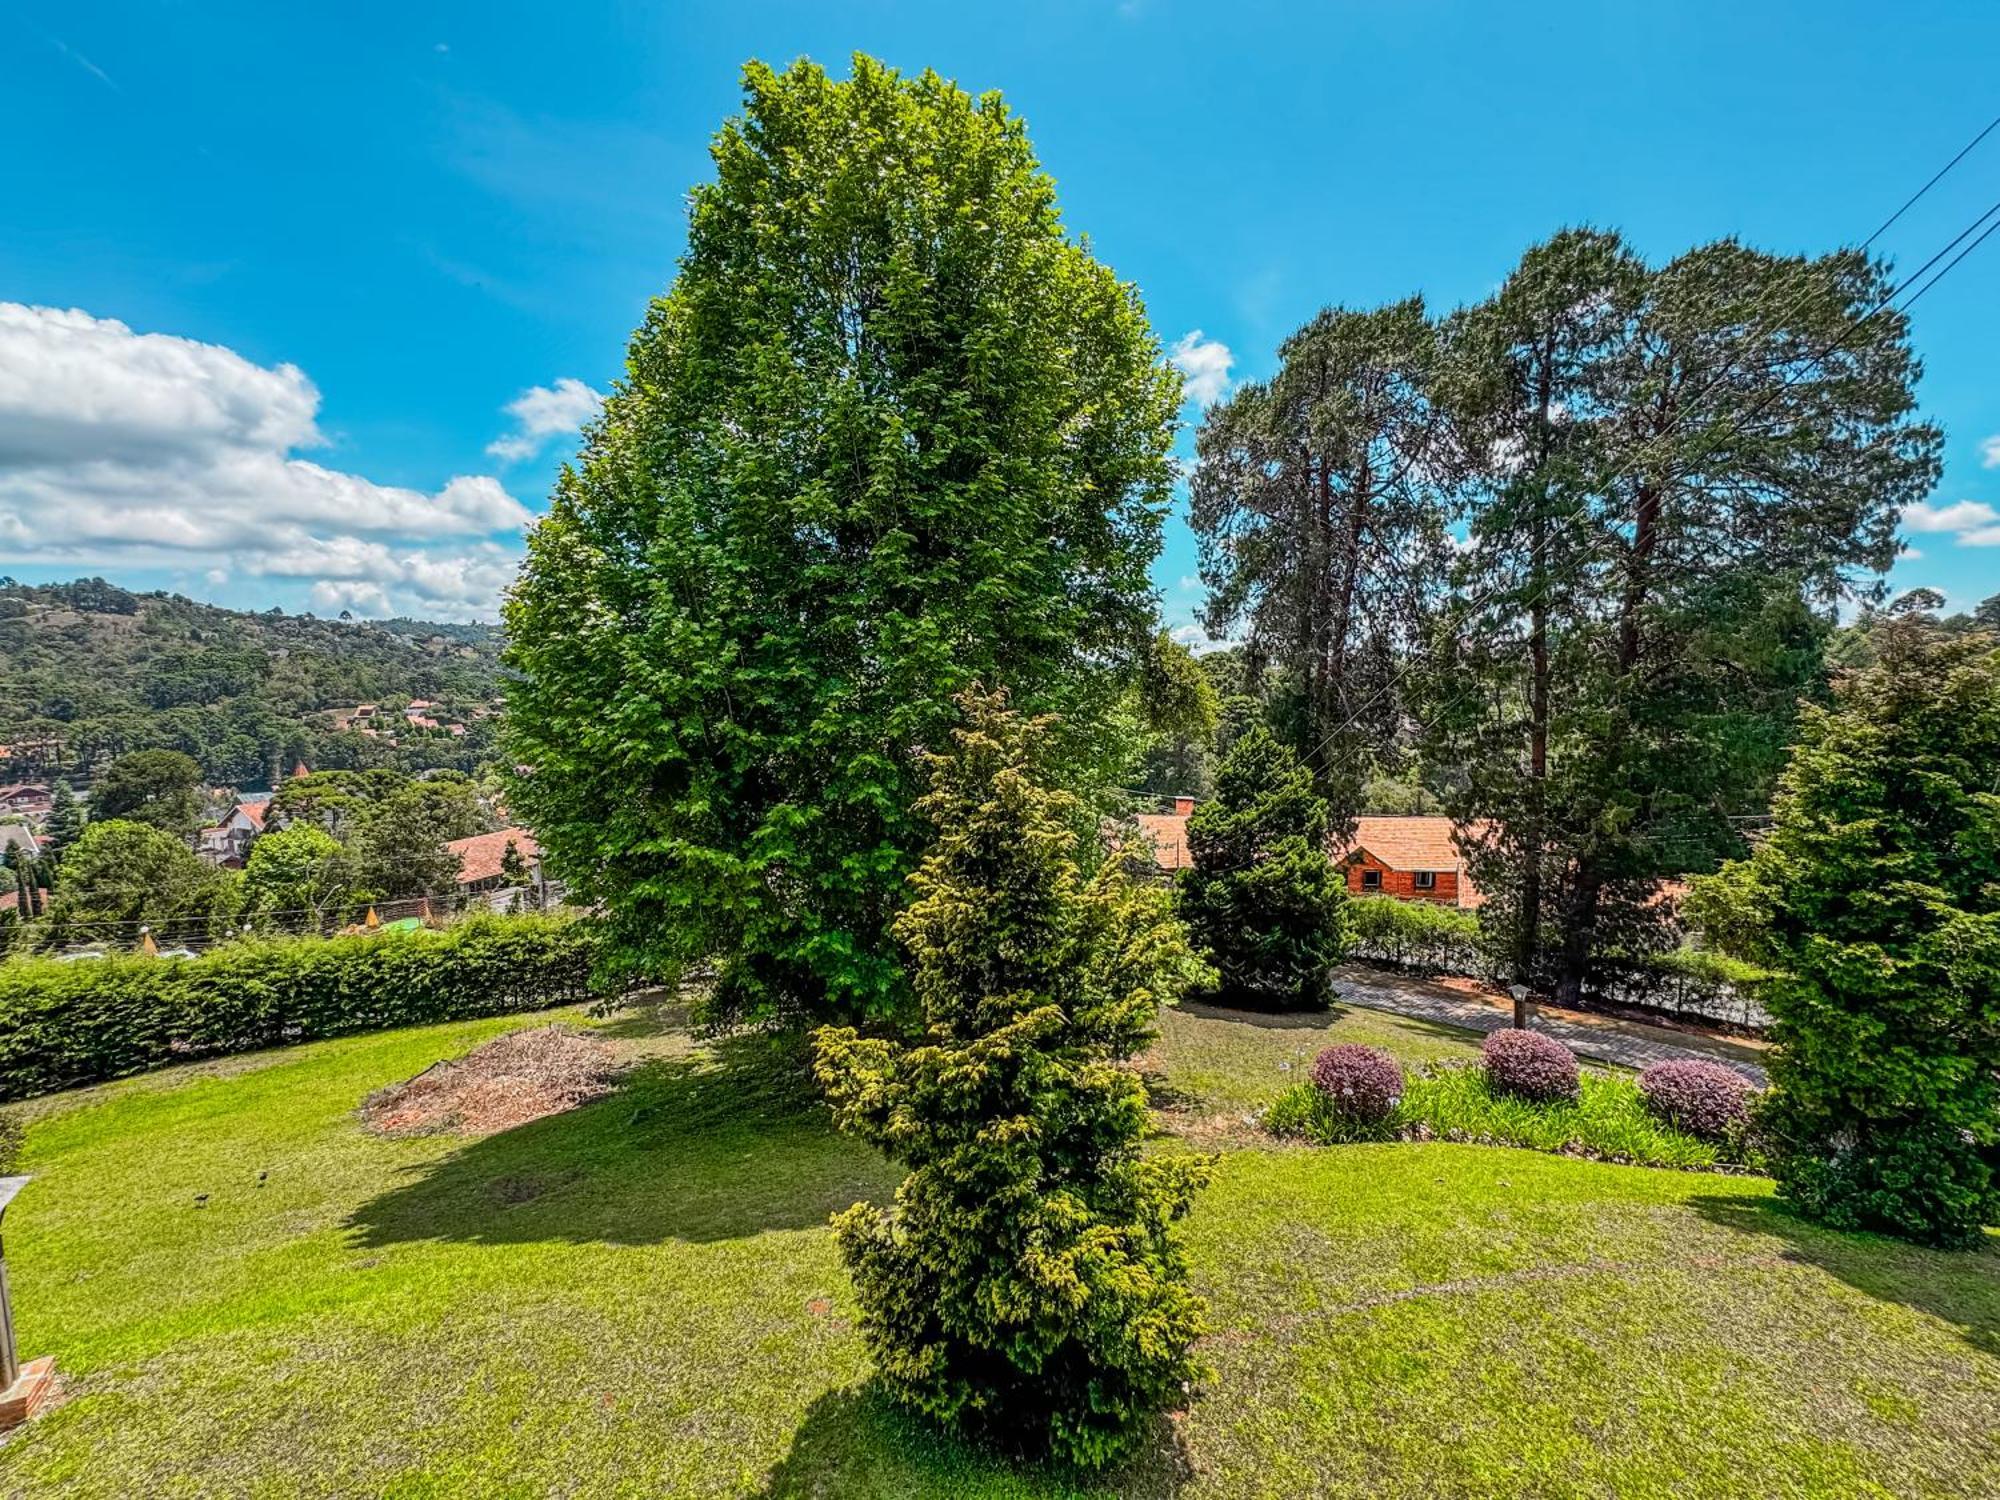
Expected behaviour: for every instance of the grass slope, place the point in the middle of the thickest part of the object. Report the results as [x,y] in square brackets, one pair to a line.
[641,1298]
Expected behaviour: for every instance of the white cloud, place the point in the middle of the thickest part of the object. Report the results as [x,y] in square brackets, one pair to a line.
[1205,362]
[1962,517]
[542,412]
[126,449]
[1198,640]
[1989,452]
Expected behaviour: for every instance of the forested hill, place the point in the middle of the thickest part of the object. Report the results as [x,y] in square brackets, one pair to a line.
[89,670]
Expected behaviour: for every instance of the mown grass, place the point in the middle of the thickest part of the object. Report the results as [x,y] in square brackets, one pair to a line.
[1216,1058]
[641,1298]
[1608,1120]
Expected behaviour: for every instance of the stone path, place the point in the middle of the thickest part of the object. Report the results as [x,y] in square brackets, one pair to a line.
[1603,1038]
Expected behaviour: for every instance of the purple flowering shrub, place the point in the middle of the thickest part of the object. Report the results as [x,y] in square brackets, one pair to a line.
[1363,1084]
[1529,1066]
[1703,1098]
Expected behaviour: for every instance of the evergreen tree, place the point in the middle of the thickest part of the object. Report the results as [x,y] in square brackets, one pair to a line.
[1025,1284]
[1319,498]
[1877,895]
[1677,468]
[892,429]
[159,787]
[1263,898]
[66,818]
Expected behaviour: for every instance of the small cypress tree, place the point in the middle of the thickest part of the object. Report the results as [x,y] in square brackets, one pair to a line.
[1025,1283]
[1877,895]
[1262,898]
[65,824]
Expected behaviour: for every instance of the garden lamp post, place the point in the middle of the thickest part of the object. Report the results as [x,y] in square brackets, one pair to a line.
[22,1390]
[1520,993]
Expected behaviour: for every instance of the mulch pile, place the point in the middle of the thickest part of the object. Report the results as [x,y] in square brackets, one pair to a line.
[513,1079]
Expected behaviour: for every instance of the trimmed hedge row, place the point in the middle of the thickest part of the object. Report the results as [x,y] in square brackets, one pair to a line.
[65,1024]
[1425,936]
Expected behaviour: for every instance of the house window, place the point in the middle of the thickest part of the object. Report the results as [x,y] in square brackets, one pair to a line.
[1371,880]
[1427,880]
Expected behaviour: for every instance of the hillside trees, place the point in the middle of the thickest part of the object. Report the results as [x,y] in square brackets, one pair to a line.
[1675,465]
[1319,501]
[891,429]
[1877,895]
[1025,1285]
[1263,901]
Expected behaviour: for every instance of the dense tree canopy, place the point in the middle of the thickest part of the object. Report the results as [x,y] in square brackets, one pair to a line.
[1674,466]
[160,787]
[122,874]
[1877,895]
[892,429]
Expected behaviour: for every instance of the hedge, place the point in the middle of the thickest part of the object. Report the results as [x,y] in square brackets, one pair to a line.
[1425,936]
[65,1024]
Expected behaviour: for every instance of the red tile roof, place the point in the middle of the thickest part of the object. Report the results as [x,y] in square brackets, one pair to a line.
[256,812]
[1411,842]
[479,856]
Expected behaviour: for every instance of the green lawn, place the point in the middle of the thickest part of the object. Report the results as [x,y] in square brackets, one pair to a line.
[641,1298]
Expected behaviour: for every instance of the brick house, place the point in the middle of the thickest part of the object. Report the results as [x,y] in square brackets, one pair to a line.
[1410,857]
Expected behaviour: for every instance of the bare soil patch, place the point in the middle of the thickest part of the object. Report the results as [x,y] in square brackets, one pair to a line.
[509,1081]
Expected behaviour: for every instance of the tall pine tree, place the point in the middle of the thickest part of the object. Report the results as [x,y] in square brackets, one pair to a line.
[1680,467]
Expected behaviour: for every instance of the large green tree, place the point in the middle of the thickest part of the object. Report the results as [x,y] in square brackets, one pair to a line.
[891,429]
[1320,498]
[1678,469]
[1877,896]
[122,874]
[1025,1285]
[299,878]
[160,787]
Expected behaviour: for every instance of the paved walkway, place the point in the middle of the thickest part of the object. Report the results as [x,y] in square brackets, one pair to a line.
[1604,1038]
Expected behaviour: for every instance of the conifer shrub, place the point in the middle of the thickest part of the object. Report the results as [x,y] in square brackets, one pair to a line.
[1876,899]
[1262,899]
[1703,1098]
[1529,1066]
[1362,1084]
[1024,1286]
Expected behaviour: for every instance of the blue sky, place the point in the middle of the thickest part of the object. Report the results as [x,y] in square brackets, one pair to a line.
[307,257]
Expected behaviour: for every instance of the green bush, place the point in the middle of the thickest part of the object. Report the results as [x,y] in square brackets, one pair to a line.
[65,1024]
[1426,936]
[1025,1285]
[1262,899]
[1877,894]
[1608,1119]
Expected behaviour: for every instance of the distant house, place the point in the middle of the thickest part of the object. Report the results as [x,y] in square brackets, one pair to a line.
[17,836]
[1167,834]
[228,842]
[1413,858]
[481,856]
[27,799]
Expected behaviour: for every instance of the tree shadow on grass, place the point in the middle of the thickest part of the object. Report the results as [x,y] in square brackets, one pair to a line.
[1214,1009]
[859,1443]
[718,1145]
[1961,1288]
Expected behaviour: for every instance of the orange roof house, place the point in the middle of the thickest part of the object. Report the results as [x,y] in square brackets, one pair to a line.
[1411,857]
[479,857]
